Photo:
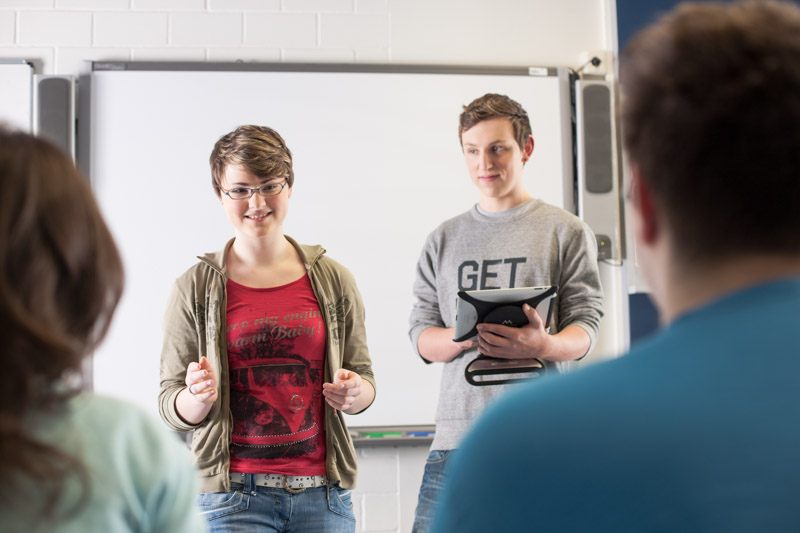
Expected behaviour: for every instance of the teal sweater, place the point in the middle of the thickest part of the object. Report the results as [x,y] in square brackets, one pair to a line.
[695,430]
[140,476]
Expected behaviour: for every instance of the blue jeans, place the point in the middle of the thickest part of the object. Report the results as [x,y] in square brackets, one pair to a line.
[432,484]
[249,508]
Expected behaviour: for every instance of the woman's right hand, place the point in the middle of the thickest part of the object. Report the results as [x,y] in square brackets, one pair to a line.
[201,381]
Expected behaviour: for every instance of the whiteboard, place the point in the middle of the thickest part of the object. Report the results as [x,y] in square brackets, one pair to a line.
[378,166]
[16,94]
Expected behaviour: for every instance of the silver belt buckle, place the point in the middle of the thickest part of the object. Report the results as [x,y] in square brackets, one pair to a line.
[293,490]
[296,485]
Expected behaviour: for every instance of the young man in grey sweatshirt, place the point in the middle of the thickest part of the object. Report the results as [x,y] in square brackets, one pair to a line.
[507,240]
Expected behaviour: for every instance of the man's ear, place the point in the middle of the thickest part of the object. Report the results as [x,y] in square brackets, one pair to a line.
[643,206]
[527,150]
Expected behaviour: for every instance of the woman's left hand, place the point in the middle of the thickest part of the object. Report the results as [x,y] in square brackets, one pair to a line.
[344,391]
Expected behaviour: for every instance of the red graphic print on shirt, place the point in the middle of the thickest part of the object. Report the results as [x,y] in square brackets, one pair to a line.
[276,353]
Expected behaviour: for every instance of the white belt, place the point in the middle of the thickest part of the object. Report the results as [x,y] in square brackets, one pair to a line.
[279,481]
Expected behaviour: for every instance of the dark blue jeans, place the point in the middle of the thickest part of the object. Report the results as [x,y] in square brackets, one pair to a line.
[432,484]
[249,508]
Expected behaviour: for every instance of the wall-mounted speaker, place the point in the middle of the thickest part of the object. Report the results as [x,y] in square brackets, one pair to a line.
[598,198]
[54,110]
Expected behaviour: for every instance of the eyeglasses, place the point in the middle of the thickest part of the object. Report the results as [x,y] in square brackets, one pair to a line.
[243,193]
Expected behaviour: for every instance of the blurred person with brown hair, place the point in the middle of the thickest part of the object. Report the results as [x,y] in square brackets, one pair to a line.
[70,460]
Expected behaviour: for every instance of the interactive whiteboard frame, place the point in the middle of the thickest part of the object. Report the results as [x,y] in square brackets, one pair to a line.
[377,167]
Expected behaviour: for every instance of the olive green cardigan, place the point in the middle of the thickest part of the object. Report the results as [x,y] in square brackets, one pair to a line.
[194,326]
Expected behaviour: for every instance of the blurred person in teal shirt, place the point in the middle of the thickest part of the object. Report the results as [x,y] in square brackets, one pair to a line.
[70,461]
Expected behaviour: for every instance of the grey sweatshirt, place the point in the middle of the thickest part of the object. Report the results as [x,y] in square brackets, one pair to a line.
[534,244]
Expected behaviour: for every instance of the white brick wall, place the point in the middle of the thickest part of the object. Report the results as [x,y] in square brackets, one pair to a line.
[244,5]
[484,32]
[281,30]
[26,4]
[371,6]
[324,6]
[388,482]
[68,28]
[104,5]
[55,35]
[8,21]
[350,30]
[169,5]
[206,30]
[130,29]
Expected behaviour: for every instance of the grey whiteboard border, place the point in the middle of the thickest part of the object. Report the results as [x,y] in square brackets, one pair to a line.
[562,73]
[14,61]
[201,66]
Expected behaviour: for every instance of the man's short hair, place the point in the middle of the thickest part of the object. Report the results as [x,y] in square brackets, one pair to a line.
[491,106]
[258,149]
[711,114]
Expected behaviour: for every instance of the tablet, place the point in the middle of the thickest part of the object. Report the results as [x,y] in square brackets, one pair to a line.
[500,306]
